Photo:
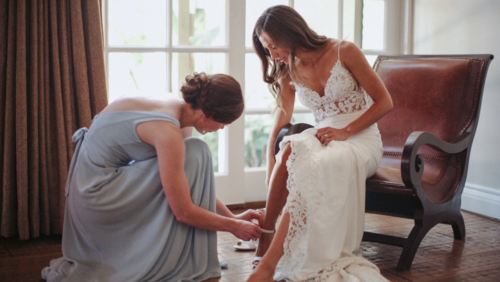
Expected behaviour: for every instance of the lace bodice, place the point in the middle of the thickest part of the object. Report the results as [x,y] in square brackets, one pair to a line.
[343,94]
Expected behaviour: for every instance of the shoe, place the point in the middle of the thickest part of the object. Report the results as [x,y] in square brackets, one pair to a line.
[245,245]
[223,264]
[256,261]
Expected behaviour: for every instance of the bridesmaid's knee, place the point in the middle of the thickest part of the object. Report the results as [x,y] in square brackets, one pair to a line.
[196,150]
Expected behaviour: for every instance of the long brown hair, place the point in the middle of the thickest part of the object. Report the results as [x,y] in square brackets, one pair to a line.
[219,96]
[287,28]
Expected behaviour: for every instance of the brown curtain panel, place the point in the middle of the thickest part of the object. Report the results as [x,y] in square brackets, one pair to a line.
[52,82]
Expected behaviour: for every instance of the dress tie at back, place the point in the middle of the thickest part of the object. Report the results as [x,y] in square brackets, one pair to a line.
[77,137]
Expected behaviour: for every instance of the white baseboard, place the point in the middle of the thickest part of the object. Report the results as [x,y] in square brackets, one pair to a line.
[482,200]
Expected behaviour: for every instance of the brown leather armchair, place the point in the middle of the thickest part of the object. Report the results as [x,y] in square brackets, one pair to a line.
[427,140]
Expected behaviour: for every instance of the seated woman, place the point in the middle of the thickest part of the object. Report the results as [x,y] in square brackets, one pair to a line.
[140,199]
[319,175]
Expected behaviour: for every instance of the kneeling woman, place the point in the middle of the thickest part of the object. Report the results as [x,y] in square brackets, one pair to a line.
[140,198]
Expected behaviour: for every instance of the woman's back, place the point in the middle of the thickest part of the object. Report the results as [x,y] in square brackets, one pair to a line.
[119,225]
[112,139]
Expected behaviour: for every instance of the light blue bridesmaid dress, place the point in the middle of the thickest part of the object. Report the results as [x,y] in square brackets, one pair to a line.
[118,225]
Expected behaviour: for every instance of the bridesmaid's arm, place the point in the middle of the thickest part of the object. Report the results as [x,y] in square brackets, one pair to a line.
[223,210]
[247,215]
[187,131]
[176,187]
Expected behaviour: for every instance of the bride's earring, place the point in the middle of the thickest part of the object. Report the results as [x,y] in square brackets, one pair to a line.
[203,131]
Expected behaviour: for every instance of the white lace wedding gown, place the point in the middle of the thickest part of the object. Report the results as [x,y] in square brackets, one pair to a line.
[326,187]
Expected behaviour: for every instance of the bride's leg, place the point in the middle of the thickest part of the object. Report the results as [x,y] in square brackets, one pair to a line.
[276,200]
[266,267]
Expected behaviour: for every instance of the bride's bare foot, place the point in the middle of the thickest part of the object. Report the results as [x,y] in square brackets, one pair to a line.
[258,277]
[261,275]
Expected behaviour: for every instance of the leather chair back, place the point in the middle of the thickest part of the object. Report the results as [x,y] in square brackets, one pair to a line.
[435,94]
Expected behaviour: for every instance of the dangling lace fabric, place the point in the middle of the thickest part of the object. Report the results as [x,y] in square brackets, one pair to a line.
[296,241]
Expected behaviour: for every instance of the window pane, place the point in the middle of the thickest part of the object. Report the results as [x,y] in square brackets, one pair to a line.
[298,104]
[321,16]
[199,22]
[137,23]
[373,24]
[349,20]
[184,64]
[137,74]
[257,130]
[371,59]
[257,95]
[254,9]
[303,118]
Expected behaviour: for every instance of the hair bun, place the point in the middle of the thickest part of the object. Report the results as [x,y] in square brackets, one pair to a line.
[219,96]
[195,88]
[197,81]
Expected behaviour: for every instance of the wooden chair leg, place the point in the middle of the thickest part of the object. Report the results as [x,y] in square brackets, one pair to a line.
[411,246]
[458,225]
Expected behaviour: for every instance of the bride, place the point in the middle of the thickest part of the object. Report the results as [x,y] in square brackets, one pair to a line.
[318,178]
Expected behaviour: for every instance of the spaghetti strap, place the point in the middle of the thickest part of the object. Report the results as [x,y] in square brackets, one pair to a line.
[338,56]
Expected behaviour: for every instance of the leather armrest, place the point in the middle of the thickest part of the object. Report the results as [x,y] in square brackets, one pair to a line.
[412,164]
[289,129]
[281,135]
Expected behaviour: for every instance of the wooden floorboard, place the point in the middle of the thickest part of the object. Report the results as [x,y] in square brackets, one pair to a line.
[439,258]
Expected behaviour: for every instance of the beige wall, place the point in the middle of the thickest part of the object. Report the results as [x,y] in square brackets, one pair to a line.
[466,27]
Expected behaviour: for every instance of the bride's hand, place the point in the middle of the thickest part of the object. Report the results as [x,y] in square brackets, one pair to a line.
[329,134]
[250,215]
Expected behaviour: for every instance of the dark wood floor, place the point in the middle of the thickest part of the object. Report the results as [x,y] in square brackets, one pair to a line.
[439,258]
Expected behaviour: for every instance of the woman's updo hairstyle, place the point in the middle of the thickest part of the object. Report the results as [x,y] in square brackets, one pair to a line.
[219,96]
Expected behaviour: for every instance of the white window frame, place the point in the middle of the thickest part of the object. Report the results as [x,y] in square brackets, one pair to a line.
[237,185]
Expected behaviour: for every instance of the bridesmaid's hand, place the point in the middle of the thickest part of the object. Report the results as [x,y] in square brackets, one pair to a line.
[250,215]
[329,134]
[246,230]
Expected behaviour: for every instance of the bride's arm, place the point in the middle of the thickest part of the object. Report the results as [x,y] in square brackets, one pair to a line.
[354,60]
[281,118]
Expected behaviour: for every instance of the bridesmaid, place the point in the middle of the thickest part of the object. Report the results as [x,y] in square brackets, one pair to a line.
[140,198]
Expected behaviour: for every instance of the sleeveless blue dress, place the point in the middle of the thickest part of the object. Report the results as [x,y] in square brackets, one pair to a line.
[118,225]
